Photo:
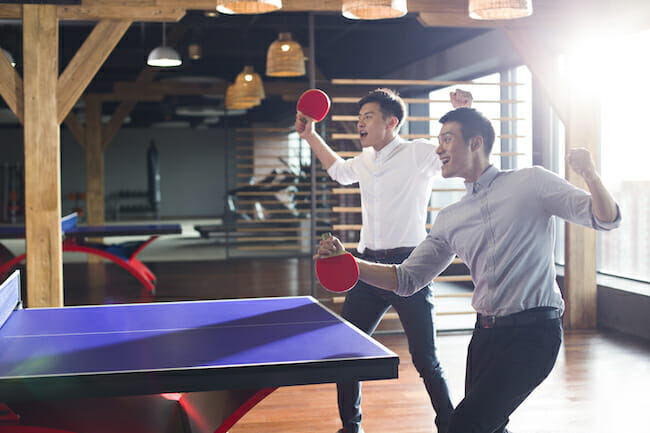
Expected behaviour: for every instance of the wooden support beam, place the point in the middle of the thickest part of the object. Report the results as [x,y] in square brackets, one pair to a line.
[143,89]
[580,247]
[94,163]
[86,62]
[76,129]
[104,10]
[11,87]
[42,158]
[121,113]
[107,11]
[127,90]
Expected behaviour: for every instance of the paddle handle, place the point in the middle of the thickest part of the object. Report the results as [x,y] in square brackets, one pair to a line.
[328,235]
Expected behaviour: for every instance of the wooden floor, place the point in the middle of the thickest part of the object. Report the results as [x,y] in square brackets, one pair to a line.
[600,383]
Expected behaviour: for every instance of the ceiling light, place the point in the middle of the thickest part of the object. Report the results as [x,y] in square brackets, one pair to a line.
[164,56]
[194,51]
[248,6]
[236,101]
[248,84]
[373,9]
[285,58]
[9,57]
[500,9]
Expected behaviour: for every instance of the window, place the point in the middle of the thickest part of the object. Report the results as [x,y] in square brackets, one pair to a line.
[505,98]
[624,148]
[625,152]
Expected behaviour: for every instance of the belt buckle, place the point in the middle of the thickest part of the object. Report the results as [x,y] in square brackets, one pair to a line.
[488,321]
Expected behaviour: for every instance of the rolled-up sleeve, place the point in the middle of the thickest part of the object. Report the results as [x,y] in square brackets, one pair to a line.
[426,262]
[343,171]
[569,202]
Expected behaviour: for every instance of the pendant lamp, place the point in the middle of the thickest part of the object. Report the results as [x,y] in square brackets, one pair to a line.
[500,9]
[248,84]
[194,51]
[285,58]
[236,101]
[164,56]
[248,6]
[373,9]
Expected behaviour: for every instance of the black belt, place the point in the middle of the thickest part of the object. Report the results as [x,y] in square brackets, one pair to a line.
[382,254]
[527,317]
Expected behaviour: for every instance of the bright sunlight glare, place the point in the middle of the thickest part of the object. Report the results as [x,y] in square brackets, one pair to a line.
[625,143]
[615,68]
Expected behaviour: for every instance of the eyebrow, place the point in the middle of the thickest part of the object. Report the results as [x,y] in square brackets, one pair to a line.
[365,113]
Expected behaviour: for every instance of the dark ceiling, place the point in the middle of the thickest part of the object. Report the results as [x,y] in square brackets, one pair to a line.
[344,49]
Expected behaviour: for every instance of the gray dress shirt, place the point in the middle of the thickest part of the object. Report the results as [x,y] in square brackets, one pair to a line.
[504,231]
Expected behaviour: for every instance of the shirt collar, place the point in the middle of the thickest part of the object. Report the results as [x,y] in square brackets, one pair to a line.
[483,181]
[386,150]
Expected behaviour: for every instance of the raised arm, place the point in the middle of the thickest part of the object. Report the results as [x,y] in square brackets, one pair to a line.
[603,204]
[461,98]
[305,128]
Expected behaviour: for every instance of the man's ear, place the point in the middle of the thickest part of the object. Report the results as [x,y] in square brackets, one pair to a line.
[476,142]
[393,122]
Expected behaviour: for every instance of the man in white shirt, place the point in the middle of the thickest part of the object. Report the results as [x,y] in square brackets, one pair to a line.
[504,230]
[395,178]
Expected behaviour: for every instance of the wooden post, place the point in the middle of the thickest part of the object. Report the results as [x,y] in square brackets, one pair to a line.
[579,111]
[94,167]
[580,248]
[42,157]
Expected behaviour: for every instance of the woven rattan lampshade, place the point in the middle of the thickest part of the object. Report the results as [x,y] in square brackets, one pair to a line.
[500,9]
[194,51]
[247,91]
[248,6]
[285,58]
[373,9]
[235,101]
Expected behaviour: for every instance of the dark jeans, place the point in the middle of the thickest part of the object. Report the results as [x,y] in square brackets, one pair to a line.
[504,365]
[364,307]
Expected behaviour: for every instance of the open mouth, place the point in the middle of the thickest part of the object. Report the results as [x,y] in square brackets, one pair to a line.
[362,134]
[444,161]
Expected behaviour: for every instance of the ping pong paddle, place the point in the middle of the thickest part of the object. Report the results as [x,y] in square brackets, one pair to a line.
[314,103]
[338,272]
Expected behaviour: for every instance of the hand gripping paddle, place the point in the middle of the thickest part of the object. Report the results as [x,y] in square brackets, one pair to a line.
[314,103]
[338,272]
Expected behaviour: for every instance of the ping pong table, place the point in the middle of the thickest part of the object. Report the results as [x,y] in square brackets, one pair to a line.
[192,366]
[76,239]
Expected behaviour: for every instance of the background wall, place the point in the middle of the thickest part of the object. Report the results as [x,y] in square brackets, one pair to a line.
[192,167]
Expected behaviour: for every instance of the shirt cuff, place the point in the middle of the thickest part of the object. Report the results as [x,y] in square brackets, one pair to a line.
[405,286]
[608,225]
[333,168]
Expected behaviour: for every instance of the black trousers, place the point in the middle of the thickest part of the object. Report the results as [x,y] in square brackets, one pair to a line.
[364,307]
[504,365]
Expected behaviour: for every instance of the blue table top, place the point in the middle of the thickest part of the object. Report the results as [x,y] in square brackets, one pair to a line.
[183,346]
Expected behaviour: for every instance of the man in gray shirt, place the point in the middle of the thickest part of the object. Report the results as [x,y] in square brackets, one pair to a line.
[504,230]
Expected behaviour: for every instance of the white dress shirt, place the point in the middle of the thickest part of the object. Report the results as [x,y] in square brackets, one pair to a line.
[504,230]
[395,186]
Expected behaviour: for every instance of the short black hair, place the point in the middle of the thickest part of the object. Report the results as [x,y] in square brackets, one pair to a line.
[472,123]
[390,104]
